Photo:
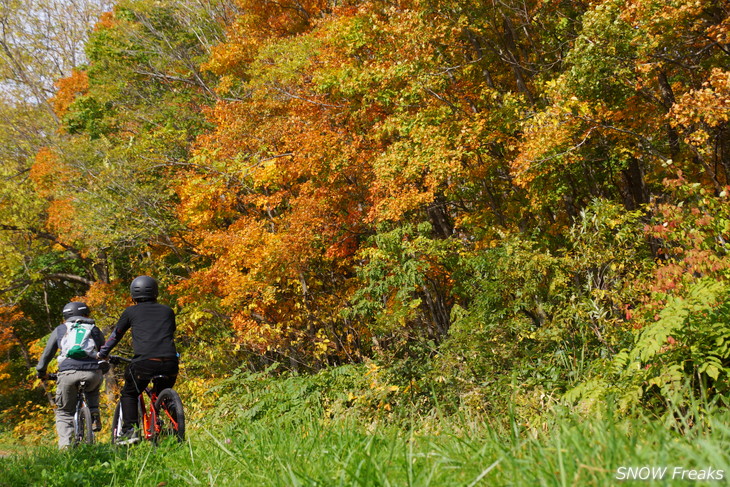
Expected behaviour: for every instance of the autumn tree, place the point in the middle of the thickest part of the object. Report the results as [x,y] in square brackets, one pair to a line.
[40,43]
[479,187]
[129,117]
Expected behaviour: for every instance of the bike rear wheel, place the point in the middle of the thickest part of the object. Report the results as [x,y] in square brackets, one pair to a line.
[83,431]
[170,416]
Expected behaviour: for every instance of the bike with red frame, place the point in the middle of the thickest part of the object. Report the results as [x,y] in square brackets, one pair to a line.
[161,412]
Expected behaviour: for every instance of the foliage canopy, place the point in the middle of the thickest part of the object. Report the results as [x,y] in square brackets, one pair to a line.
[505,203]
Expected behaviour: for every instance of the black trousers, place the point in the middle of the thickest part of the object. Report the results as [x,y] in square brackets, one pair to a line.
[137,377]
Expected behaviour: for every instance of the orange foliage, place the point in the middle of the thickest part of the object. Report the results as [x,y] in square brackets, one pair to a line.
[106,300]
[261,21]
[276,216]
[551,135]
[658,17]
[9,316]
[46,172]
[61,220]
[708,107]
[106,21]
[205,201]
[67,89]
[326,143]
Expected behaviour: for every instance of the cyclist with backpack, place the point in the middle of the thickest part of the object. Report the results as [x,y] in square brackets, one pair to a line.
[153,329]
[77,340]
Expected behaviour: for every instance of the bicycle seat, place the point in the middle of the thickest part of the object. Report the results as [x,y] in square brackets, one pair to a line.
[159,380]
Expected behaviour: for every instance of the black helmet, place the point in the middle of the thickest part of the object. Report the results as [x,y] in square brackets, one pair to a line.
[75,308]
[143,288]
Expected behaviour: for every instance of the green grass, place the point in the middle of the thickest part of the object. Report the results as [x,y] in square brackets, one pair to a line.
[348,452]
[309,431]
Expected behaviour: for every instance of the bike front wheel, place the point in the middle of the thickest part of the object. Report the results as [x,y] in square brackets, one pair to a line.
[83,431]
[117,423]
[170,415]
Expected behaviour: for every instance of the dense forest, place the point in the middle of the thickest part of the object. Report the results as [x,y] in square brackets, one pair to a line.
[500,206]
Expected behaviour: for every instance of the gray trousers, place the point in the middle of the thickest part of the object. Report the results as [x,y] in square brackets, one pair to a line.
[67,390]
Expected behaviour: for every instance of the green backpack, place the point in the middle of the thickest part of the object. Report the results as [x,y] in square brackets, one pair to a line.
[77,343]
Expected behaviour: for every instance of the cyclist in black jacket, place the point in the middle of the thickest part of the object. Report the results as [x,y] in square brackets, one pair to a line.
[153,330]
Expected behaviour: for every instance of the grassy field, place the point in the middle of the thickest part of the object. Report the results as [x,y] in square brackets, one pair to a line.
[350,453]
[306,431]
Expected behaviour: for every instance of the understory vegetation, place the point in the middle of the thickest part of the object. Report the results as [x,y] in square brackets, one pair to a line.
[411,239]
[303,430]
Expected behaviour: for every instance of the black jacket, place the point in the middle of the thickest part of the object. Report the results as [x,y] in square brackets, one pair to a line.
[153,330]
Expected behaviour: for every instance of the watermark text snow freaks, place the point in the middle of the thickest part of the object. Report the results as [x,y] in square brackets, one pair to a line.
[669,473]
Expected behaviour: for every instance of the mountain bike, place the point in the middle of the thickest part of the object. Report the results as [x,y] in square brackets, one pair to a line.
[83,430]
[160,412]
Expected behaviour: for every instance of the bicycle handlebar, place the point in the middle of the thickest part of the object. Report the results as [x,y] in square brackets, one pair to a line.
[54,376]
[115,359]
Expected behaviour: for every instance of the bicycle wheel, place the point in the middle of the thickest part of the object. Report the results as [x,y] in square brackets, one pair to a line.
[170,415]
[117,423]
[83,431]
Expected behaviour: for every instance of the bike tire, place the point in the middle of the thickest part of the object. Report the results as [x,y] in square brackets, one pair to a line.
[170,416]
[84,431]
[117,423]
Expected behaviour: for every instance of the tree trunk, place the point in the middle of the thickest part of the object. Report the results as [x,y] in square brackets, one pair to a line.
[511,50]
[668,100]
[635,193]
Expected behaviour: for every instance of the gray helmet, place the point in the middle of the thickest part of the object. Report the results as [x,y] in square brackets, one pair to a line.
[143,288]
[75,308]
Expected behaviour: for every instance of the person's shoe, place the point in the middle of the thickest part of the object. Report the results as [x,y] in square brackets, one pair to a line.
[95,422]
[128,437]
